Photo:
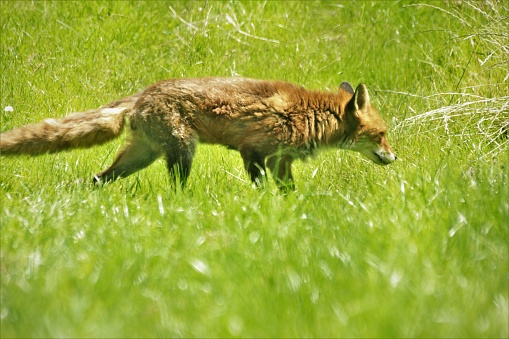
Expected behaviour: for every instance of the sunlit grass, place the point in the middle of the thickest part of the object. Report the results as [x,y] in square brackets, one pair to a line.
[417,248]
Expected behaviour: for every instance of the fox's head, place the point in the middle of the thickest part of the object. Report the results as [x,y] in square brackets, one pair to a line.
[364,127]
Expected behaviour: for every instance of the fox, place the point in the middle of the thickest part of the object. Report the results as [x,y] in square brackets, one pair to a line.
[271,123]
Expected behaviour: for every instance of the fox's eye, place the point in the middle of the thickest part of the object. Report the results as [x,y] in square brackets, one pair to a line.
[382,134]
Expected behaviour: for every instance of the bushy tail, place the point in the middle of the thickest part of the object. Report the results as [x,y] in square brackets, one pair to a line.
[77,130]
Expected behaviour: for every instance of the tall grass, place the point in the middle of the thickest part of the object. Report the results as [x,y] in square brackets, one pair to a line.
[415,249]
[478,104]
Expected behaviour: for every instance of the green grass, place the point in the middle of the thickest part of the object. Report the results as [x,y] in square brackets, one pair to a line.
[415,249]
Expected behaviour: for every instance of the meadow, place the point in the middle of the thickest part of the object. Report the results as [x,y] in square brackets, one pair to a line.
[418,248]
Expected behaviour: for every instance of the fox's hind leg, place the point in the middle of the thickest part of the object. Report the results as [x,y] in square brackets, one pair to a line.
[179,159]
[281,168]
[137,155]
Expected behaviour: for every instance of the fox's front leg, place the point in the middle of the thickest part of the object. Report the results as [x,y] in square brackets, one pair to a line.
[254,164]
[281,168]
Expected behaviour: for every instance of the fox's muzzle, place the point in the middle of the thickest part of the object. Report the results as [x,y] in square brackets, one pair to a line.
[383,157]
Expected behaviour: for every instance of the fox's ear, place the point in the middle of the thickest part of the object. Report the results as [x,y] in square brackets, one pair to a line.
[345,86]
[361,98]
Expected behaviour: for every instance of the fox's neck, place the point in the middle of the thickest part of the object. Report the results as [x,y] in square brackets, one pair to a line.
[326,123]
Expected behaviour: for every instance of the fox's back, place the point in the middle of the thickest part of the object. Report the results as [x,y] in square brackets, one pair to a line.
[211,92]
[227,110]
[236,97]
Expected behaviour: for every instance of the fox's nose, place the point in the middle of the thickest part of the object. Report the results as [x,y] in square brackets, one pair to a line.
[384,157]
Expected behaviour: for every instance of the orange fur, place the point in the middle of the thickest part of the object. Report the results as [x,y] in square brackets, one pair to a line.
[271,123]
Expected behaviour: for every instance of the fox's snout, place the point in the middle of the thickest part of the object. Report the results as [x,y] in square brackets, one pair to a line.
[377,151]
[379,155]
[384,157]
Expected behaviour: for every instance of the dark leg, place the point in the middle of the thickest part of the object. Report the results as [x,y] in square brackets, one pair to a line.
[179,161]
[254,164]
[137,155]
[281,167]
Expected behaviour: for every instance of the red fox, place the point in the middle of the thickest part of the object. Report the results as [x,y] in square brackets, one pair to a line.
[271,123]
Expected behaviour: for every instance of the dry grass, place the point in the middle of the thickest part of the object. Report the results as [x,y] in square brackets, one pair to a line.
[469,119]
[476,109]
